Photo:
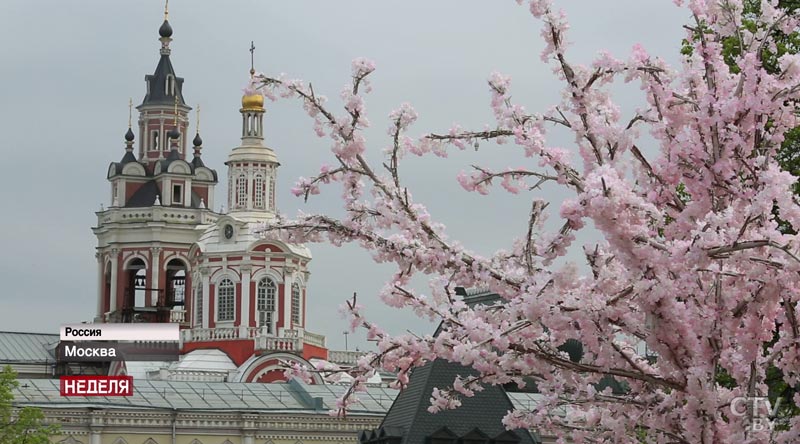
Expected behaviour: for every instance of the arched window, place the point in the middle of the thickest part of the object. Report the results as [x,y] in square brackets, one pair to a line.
[266,295]
[258,190]
[265,302]
[241,191]
[296,305]
[176,283]
[226,300]
[136,293]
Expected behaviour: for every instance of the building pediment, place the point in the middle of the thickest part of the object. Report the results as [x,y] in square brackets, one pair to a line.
[179,167]
[205,174]
[134,169]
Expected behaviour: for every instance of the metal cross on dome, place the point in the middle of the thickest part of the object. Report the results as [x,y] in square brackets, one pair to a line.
[252,55]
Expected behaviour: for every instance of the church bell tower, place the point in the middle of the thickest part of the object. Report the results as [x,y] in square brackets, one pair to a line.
[157,200]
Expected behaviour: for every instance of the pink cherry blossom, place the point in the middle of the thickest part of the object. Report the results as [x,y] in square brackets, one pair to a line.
[692,264]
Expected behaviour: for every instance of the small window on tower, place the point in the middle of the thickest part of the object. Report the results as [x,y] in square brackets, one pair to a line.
[154,141]
[258,191]
[177,194]
[241,191]
[170,86]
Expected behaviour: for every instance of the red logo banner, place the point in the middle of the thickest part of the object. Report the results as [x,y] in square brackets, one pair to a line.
[97,386]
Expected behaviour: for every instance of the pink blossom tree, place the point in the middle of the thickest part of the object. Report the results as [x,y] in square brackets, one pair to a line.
[692,262]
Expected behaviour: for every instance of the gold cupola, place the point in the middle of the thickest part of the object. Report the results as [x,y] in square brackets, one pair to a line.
[253,102]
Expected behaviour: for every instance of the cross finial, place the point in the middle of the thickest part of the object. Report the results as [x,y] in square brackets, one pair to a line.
[166,9]
[252,55]
[130,110]
[198,119]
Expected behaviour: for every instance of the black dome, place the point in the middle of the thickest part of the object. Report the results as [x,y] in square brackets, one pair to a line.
[165,30]
[174,133]
[129,136]
[197,140]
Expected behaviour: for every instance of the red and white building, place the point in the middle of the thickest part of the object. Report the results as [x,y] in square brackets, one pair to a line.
[164,255]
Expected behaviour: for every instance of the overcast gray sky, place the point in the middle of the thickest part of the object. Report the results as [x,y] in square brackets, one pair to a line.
[67,70]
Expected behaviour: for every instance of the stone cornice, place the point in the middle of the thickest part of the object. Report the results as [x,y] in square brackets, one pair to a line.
[263,425]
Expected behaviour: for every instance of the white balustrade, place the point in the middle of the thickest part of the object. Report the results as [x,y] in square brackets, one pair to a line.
[286,340]
[177,316]
[191,216]
[345,357]
[278,344]
[210,334]
[314,339]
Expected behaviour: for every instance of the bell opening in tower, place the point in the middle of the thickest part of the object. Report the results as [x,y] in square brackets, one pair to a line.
[176,283]
[135,295]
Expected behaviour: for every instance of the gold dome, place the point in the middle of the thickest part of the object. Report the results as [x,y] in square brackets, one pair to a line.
[254,101]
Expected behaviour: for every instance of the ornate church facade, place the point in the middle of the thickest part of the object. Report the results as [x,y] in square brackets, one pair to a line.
[164,255]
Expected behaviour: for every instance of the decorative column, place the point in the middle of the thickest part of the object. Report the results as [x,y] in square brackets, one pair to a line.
[100,287]
[166,192]
[245,314]
[248,428]
[210,201]
[205,278]
[231,186]
[272,197]
[187,193]
[112,305]
[96,423]
[155,253]
[302,302]
[249,187]
[161,137]
[144,140]
[288,280]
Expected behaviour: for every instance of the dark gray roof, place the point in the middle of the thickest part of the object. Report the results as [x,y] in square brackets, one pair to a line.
[28,348]
[216,396]
[145,195]
[127,158]
[198,162]
[172,156]
[408,420]
[409,417]
[220,396]
[156,90]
